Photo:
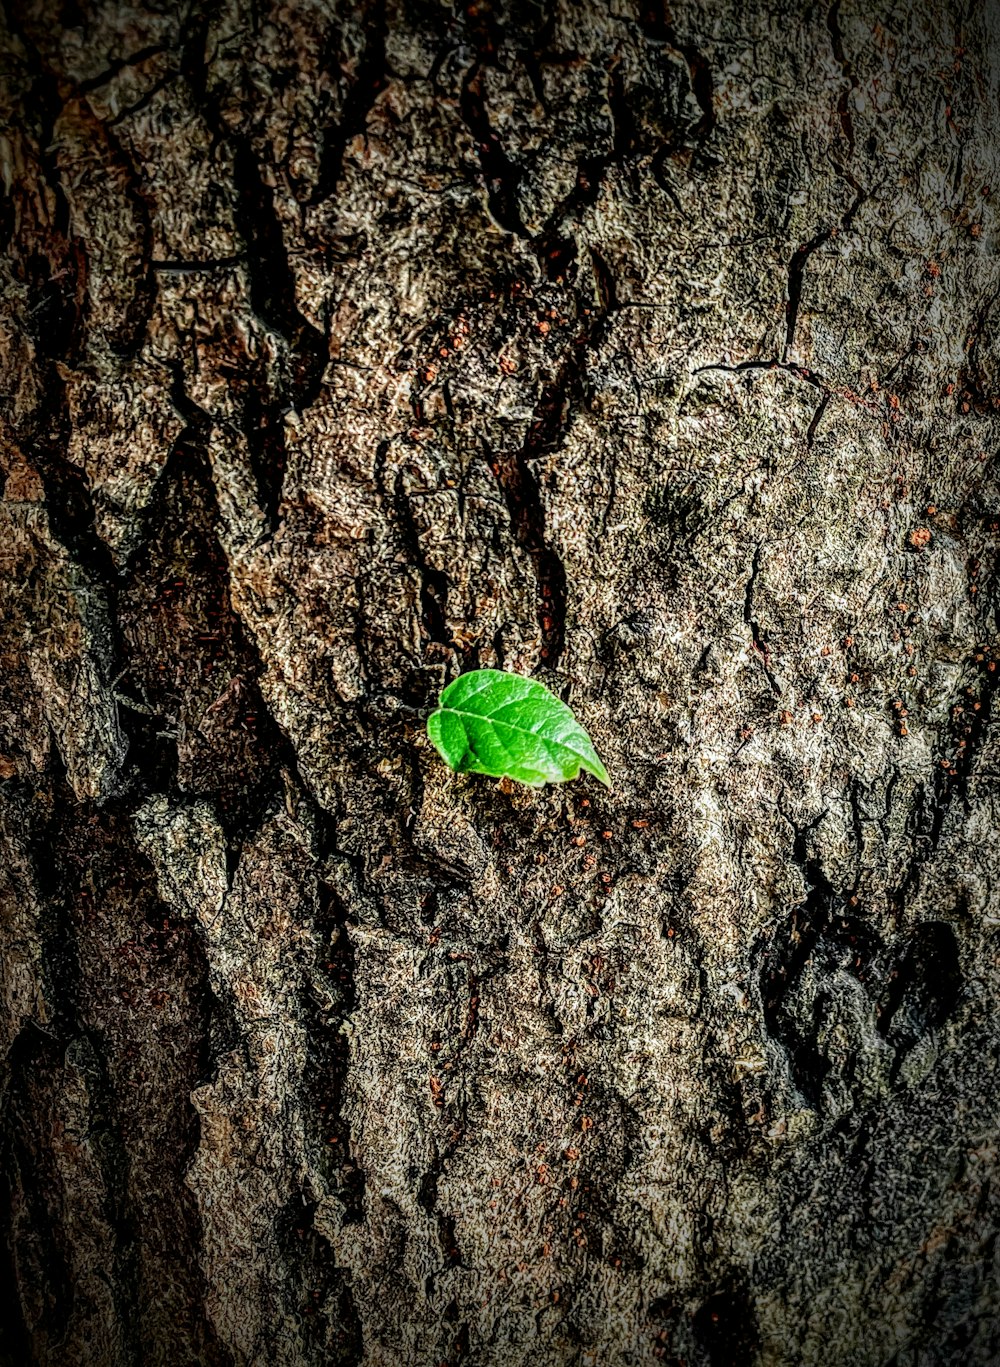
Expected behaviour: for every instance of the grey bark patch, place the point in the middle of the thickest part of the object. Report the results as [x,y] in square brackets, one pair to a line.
[186,847]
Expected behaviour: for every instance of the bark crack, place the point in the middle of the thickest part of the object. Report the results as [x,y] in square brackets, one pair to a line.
[433,582]
[516,473]
[817,418]
[122,64]
[796,272]
[370,81]
[272,297]
[328,1059]
[800,372]
[800,257]
[757,636]
[844,100]
[657,24]
[501,175]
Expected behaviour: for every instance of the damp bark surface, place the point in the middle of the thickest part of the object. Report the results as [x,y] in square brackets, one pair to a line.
[650,352]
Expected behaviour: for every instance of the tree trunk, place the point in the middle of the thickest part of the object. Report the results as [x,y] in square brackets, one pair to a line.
[651,352]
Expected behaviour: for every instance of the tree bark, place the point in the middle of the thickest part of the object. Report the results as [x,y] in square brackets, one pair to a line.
[649,351]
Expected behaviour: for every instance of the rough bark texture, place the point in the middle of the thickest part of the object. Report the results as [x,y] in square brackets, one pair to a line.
[650,351]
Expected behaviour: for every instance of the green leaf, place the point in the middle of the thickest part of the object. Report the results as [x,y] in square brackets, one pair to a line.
[504,725]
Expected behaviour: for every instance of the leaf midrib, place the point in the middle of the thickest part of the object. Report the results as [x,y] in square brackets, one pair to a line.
[521,730]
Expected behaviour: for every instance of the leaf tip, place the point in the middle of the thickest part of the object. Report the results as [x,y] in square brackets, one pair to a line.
[601,774]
